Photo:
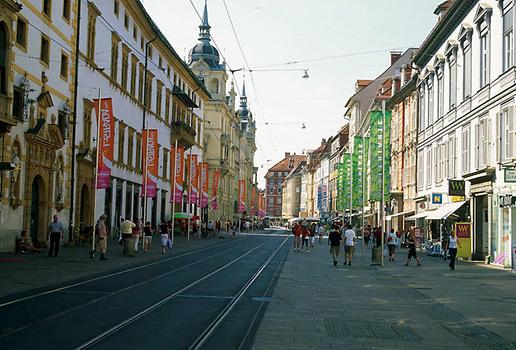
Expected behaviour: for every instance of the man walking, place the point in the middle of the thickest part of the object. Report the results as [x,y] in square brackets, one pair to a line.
[349,244]
[335,237]
[55,233]
[126,228]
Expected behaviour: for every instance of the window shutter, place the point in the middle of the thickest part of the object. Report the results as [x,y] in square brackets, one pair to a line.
[488,142]
[511,139]
[499,131]
[477,142]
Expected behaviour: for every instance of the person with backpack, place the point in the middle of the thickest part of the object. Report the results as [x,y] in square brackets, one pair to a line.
[391,244]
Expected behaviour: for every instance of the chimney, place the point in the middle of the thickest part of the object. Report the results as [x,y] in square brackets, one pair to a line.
[395,55]
[287,154]
[323,141]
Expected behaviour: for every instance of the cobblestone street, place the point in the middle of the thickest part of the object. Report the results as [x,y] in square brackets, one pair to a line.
[318,306]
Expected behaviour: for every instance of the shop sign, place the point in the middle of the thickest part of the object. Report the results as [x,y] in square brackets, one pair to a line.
[507,200]
[456,187]
[437,198]
[510,175]
[419,235]
[463,232]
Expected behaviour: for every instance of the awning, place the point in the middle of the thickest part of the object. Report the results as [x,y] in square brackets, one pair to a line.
[444,211]
[389,217]
[419,215]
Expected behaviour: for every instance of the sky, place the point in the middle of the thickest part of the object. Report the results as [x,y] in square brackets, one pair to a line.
[337,41]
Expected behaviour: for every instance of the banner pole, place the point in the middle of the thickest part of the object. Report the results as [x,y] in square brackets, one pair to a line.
[174,192]
[99,123]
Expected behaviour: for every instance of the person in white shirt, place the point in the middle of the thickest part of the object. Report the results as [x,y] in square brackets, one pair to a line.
[321,231]
[349,244]
[391,243]
[453,242]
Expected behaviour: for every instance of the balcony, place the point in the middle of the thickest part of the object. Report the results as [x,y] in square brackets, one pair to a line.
[183,133]
[6,118]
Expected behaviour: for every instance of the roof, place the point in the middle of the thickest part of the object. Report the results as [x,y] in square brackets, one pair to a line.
[440,33]
[283,165]
[405,91]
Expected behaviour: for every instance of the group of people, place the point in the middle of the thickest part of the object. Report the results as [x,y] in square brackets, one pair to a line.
[337,234]
[304,235]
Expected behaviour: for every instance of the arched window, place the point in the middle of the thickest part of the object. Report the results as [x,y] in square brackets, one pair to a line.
[214,87]
[3,59]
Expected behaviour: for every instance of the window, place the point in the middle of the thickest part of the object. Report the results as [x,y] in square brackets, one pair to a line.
[125,65]
[506,129]
[66,10]
[429,167]
[451,153]
[466,69]
[437,162]
[116,7]
[47,8]
[149,52]
[508,38]
[134,64]
[148,90]
[465,150]
[142,45]
[44,54]
[86,136]
[482,142]
[165,163]
[18,103]
[168,71]
[140,83]
[63,72]
[114,56]
[167,105]
[121,142]
[430,100]
[440,92]
[138,151]
[484,60]
[453,81]
[422,118]
[160,62]
[21,33]
[159,93]
[135,32]
[92,23]
[126,20]
[130,148]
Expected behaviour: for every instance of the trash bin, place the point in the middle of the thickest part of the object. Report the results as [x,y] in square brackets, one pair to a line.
[129,246]
[376,256]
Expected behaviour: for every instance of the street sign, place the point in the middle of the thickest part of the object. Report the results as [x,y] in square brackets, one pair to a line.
[437,198]
[456,187]
[510,175]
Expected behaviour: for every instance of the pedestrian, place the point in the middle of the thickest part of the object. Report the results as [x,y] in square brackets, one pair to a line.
[305,234]
[163,230]
[391,244]
[321,231]
[335,237]
[147,237]
[367,235]
[101,233]
[349,244]
[378,236]
[55,233]
[137,232]
[412,248]
[453,242]
[296,230]
[126,228]
[312,235]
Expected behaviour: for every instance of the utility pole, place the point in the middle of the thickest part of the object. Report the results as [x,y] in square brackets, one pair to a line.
[74,124]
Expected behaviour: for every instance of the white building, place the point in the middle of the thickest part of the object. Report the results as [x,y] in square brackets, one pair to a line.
[467,125]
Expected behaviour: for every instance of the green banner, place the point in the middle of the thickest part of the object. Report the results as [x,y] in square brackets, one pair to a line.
[377,134]
[358,167]
[345,192]
[340,186]
[366,166]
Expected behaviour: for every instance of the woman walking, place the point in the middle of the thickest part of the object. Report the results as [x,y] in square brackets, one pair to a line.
[391,243]
[147,237]
[453,242]
[163,230]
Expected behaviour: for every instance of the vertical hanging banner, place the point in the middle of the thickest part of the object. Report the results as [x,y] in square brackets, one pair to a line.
[215,189]
[241,196]
[366,178]
[254,203]
[345,192]
[150,165]
[107,141]
[378,134]
[193,178]
[177,166]
[204,185]
[357,167]
[340,187]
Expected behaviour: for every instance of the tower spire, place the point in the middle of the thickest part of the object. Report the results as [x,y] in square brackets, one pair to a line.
[243,98]
[204,28]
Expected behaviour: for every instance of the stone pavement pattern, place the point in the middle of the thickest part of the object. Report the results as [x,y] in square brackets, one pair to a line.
[21,272]
[318,306]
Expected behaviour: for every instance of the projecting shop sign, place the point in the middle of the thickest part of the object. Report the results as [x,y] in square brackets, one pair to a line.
[456,187]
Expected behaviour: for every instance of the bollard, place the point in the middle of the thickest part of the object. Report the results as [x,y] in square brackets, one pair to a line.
[376,256]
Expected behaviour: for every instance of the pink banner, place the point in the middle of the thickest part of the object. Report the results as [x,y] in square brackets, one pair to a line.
[193,179]
[150,150]
[204,185]
[107,136]
[177,168]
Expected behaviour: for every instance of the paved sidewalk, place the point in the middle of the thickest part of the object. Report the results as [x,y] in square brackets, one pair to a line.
[21,272]
[318,306]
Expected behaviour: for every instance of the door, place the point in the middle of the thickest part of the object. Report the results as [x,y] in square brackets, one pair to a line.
[34,211]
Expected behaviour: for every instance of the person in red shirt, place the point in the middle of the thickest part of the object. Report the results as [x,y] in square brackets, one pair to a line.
[305,233]
[296,230]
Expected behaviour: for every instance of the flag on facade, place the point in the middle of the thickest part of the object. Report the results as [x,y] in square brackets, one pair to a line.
[106,135]
[344,191]
[204,185]
[177,167]
[375,142]
[193,178]
[241,196]
[357,170]
[215,189]
[150,164]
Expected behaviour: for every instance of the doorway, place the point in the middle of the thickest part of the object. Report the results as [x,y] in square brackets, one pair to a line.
[37,210]
[85,208]
[481,227]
